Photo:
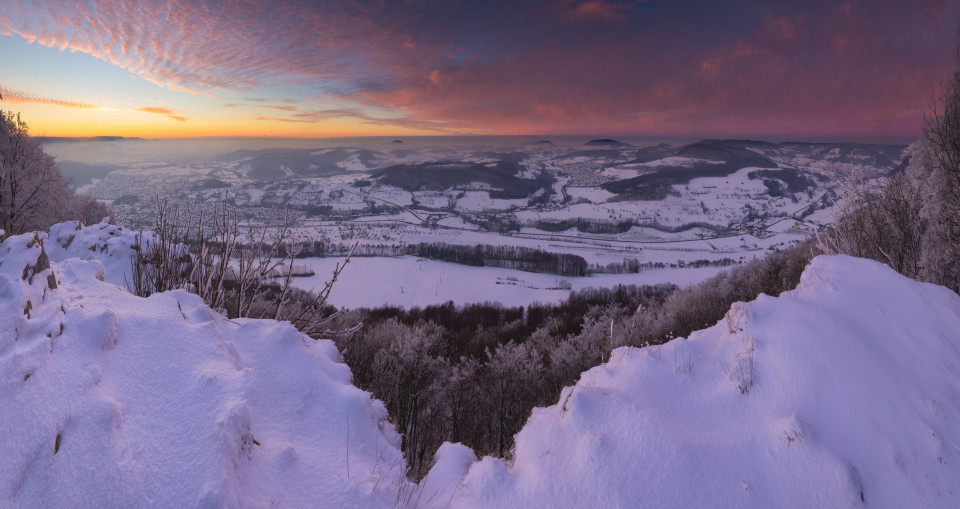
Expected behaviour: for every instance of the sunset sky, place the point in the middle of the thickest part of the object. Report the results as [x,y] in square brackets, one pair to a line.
[186,68]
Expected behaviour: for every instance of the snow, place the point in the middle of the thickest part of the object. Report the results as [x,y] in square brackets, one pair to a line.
[839,393]
[409,281]
[478,201]
[591,194]
[104,243]
[111,400]
[678,162]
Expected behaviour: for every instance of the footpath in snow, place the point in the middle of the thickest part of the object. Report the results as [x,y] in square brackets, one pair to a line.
[842,393]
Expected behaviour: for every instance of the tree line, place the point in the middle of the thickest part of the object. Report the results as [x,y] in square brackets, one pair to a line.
[479,255]
[610,227]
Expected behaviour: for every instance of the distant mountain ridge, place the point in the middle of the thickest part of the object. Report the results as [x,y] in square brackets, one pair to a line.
[80,139]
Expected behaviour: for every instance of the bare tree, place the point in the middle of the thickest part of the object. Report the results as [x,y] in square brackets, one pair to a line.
[242,272]
[33,192]
[941,127]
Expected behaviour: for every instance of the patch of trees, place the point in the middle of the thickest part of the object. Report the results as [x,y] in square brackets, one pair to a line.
[507,257]
[633,265]
[585,225]
[659,184]
[604,226]
[494,222]
[212,183]
[627,266]
[647,154]
[127,199]
[479,255]
[786,181]
[315,210]
[33,192]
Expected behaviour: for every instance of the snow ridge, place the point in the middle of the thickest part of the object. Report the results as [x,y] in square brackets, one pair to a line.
[842,392]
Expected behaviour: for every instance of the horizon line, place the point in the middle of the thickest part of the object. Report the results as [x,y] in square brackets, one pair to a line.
[544,137]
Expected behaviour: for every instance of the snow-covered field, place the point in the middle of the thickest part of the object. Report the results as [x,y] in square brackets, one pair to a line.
[840,393]
[409,281]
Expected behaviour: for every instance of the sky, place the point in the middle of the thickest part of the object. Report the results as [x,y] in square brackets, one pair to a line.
[198,68]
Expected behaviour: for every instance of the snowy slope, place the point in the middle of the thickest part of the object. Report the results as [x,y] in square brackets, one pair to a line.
[110,400]
[842,393]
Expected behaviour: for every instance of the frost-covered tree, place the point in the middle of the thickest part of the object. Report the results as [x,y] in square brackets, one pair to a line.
[912,221]
[32,190]
[516,374]
[942,128]
[942,131]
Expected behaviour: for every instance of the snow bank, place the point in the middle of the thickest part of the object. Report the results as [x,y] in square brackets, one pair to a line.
[110,400]
[841,393]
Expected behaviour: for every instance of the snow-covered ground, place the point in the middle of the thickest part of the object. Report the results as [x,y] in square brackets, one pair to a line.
[841,393]
[409,281]
[111,400]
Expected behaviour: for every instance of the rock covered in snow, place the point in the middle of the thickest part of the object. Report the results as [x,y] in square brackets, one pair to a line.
[111,400]
[105,243]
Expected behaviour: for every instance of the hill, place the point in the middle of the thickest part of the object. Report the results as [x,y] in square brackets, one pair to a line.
[501,177]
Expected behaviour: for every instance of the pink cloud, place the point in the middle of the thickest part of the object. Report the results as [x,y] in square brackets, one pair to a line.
[598,9]
[169,112]
[20,97]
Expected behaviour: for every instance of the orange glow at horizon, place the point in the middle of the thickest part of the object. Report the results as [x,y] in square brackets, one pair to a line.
[53,121]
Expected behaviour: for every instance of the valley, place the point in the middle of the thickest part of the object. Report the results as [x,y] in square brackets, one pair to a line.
[634,214]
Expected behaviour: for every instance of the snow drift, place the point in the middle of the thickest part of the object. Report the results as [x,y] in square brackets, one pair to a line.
[111,400]
[844,392]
